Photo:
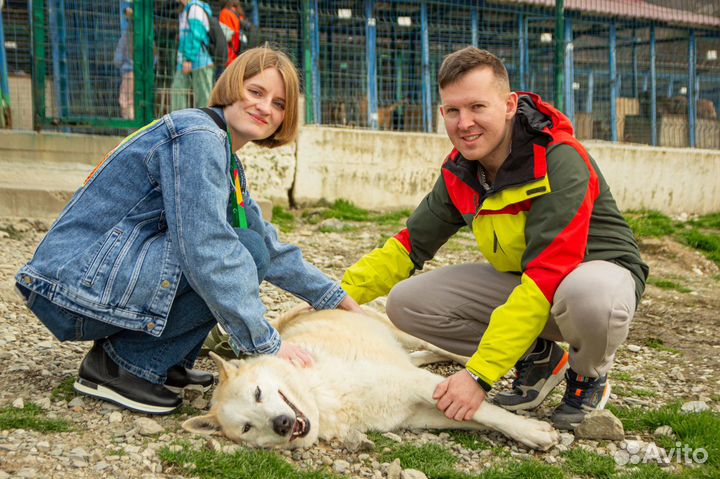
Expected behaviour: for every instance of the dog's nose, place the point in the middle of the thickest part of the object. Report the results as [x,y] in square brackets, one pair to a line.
[282,424]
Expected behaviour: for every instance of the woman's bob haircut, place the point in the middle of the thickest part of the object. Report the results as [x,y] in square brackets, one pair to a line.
[230,87]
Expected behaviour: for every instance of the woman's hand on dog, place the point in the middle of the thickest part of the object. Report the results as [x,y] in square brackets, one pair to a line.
[295,355]
[459,396]
[349,304]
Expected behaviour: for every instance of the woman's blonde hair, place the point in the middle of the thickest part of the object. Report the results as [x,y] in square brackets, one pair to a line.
[230,87]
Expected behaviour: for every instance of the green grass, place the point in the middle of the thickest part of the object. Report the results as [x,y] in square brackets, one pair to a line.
[469,440]
[711,221]
[658,345]
[433,459]
[186,410]
[532,469]
[650,224]
[702,233]
[243,464]
[30,417]
[589,464]
[284,220]
[694,429]
[668,284]
[708,243]
[64,391]
[346,211]
[622,376]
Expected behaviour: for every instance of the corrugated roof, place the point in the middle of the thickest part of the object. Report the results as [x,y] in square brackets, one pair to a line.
[632,9]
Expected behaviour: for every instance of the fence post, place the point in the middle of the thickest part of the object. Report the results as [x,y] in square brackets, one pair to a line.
[569,72]
[653,90]
[522,50]
[58,41]
[39,62]
[144,69]
[426,93]
[559,53]
[4,87]
[311,43]
[255,13]
[370,43]
[691,91]
[613,82]
[474,30]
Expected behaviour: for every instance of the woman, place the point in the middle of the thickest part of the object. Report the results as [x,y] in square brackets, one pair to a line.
[156,248]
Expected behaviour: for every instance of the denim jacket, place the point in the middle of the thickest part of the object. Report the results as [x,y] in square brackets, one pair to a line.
[154,210]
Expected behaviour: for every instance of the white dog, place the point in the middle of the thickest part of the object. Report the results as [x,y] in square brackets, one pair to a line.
[362,380]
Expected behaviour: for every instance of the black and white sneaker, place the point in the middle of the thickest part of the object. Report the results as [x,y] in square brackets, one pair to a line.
[179,377]
[537,374]
[582,395]
[100,377]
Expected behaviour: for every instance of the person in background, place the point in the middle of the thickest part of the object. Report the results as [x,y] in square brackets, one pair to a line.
[563,264]
[231,17]
[123,61]
[195,68]
[163,241]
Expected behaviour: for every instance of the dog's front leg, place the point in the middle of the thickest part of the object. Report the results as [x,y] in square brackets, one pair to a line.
[531,432]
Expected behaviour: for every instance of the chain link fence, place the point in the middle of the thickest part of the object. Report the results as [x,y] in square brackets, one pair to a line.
[641,72]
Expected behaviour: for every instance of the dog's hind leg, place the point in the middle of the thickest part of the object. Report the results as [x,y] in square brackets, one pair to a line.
[411,343]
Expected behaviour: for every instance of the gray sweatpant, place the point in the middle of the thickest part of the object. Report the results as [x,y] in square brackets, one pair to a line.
[450,307]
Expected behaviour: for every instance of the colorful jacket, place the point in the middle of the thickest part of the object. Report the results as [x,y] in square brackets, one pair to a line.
[548,210]
[194,31]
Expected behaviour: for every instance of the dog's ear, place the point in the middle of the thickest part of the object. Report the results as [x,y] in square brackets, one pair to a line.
[205,425]
[224,367]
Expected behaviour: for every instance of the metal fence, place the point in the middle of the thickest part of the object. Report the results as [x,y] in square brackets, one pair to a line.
[643,71]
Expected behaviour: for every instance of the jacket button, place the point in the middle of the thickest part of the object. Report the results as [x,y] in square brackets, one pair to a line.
[165,283]
[26,279]
[150,326]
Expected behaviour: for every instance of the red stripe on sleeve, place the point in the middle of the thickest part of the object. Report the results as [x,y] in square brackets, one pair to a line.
[404,238]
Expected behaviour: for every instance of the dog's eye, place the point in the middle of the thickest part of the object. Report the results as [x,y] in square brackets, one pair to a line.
[258,394]
[247,427]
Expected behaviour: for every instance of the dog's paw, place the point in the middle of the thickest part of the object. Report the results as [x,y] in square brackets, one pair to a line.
[538,434]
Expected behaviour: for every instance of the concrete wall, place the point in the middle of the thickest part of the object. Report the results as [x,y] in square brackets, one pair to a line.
[379,170]
[395,170]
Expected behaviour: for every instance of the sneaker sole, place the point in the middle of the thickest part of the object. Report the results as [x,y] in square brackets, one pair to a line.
[197,387]
[570,426]
[101,392]
[555,378]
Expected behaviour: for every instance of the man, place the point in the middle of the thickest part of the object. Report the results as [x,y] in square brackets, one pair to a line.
[564,265]
[195,68]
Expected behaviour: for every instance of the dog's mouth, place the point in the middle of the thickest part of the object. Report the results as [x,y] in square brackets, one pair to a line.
[301,427]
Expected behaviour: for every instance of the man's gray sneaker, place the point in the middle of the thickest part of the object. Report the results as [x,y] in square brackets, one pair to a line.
[582,395]
[536,375]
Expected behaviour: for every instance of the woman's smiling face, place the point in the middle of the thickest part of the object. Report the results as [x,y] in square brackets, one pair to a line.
[260,111]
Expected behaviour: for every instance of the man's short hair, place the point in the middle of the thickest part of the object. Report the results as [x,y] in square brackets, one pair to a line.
[458,63]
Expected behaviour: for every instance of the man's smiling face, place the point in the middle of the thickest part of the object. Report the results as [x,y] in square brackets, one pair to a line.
[477,110]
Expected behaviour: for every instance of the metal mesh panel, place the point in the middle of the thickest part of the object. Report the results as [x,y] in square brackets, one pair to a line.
[343,73]
[607,91]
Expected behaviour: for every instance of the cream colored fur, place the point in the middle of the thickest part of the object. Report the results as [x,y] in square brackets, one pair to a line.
[363,379]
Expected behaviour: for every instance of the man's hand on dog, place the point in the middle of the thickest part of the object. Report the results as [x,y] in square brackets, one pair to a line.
[295,355]
[459,396]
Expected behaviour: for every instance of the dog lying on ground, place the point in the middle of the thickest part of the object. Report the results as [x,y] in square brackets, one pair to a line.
[362,380]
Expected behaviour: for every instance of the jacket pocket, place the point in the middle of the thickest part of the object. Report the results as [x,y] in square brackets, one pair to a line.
[101,256]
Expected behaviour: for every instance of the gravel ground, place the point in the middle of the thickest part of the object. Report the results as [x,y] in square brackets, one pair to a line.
[108,442]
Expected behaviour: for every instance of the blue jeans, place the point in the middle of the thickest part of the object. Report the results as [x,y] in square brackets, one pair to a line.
[146,356]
